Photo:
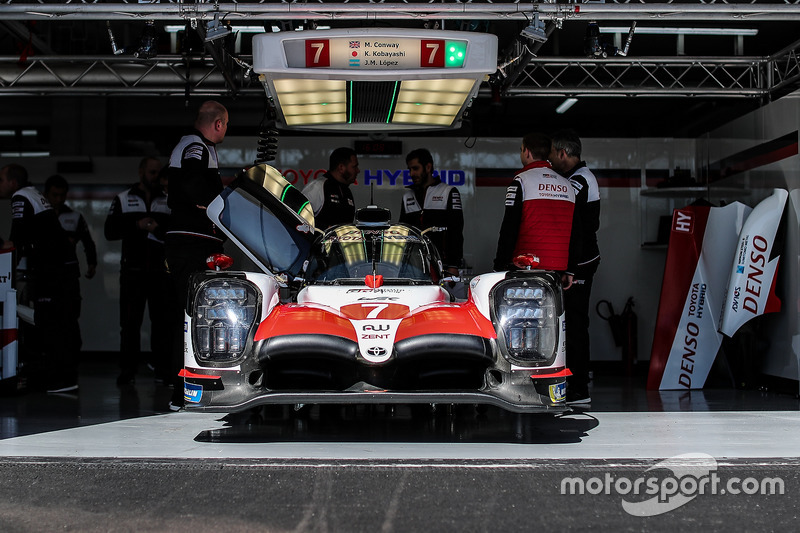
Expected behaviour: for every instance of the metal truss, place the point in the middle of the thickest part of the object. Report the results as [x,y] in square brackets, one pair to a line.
[743,77]
[177,75]
[115,75]
[739,77]
[656,76]
[165,10]
[783,70]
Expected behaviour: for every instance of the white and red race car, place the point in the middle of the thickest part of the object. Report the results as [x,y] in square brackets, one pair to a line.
[358,315]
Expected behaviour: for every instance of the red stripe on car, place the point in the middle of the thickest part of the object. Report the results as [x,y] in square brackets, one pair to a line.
[459,319]
[563,373]
[189,374]
[294,319]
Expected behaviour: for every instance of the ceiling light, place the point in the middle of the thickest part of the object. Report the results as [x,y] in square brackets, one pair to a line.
[565,105]
[652,30]
[307,102]
[215,29]
[535,30]
[373,79]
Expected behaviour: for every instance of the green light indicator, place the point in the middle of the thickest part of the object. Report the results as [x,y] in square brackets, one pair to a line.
[457,53]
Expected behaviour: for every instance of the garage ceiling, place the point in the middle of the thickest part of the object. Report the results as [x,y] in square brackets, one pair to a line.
[669,84]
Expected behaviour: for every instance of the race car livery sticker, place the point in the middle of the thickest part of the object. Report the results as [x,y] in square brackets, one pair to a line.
[192,393]
[685,343]
[558,392]
[751,286]
[376,338]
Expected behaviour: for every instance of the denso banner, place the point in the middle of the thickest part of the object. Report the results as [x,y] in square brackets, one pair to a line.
[685,343]
[751,289]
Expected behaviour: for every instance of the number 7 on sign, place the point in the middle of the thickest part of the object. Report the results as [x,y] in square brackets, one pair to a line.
[318,53]
[431,53]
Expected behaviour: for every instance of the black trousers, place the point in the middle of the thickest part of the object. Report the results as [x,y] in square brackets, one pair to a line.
[137,288]
[184,258]
[576,307]
[56,310]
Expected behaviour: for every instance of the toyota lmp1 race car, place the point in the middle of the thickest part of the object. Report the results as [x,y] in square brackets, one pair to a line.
[360,314]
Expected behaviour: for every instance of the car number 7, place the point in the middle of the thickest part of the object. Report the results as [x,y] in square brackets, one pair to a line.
[377,309]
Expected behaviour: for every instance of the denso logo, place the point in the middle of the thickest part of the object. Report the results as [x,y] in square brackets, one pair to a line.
[690,341]
[552,188]
[298,177]
[755,270]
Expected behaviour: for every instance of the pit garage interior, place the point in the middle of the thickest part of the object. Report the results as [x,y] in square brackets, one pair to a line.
[674,101]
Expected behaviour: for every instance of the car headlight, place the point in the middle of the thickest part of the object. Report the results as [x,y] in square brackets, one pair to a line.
[526,319]
[224,313]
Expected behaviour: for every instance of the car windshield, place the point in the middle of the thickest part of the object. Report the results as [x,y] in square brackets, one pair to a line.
[264,228]
[345,253]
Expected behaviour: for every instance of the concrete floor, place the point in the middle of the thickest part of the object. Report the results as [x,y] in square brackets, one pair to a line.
[624,421]
[113,459]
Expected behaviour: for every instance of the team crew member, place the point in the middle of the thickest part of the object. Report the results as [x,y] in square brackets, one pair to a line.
[194,181]
[53,279]
[330,196]
[584,259]
[538,214]
[139,217]
[429,203]
[55,191]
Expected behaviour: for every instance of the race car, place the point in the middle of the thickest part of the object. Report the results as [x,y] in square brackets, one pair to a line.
[360,314]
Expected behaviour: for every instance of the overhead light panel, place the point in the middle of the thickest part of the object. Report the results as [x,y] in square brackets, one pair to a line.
[373,79]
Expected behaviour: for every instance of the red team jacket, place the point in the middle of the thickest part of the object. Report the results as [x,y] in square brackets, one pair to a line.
[537,219]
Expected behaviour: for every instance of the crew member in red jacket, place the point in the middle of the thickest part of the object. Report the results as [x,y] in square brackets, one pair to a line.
[538,215]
